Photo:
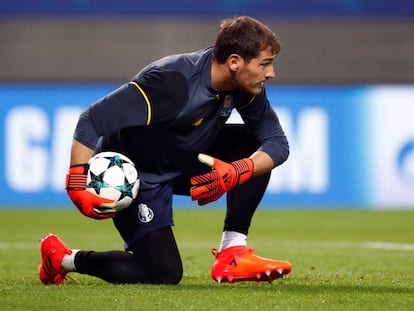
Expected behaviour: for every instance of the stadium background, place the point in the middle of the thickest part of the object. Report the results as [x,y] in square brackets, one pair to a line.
[344,89]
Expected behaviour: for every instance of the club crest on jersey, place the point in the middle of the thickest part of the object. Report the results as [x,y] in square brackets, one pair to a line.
[227,106]
[145,214]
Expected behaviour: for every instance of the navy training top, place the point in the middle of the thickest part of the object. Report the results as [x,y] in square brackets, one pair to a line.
[174,93]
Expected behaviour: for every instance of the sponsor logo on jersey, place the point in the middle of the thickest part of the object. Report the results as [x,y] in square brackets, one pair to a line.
[145,214]
[198,122]
[227,106]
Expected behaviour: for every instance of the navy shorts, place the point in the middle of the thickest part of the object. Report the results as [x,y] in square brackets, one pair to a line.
[151,210]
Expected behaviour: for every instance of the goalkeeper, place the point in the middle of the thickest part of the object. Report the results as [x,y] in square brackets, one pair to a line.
[170,119]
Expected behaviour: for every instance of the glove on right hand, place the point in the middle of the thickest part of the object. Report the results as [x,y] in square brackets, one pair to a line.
[87,203]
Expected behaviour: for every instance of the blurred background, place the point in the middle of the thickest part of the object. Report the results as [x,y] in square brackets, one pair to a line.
[344,89]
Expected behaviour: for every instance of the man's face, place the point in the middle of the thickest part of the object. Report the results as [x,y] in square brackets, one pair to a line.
[251,76]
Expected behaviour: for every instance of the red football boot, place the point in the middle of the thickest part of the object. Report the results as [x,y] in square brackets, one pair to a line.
[53,250]
[238,263]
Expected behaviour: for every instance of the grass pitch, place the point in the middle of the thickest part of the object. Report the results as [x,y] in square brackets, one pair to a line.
[342,260]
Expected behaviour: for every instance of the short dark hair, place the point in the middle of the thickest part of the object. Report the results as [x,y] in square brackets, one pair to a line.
[244,36]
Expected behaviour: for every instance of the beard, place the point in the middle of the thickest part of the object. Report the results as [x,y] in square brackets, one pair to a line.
[253,88]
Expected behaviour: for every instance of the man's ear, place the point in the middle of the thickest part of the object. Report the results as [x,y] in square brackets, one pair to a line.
[234,61]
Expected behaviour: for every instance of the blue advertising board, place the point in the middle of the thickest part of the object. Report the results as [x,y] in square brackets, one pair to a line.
[350,145]
[291,8]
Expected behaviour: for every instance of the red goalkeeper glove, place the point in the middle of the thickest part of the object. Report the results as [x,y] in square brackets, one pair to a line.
[87,203]
[224,176]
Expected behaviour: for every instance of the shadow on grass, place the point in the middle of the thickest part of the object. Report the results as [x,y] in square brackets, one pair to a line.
[197,286]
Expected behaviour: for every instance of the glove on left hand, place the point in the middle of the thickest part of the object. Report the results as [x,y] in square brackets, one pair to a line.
[224,176]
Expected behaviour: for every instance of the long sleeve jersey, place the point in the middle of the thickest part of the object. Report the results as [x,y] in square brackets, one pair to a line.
[175,94]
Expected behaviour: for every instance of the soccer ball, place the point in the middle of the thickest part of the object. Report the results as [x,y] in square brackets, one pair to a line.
[113,176]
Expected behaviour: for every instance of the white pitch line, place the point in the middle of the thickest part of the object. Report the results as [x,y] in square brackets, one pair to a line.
[391,246]
[380,245]
[17,245]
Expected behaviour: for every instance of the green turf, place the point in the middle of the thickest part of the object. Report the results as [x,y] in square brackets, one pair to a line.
[342,260]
